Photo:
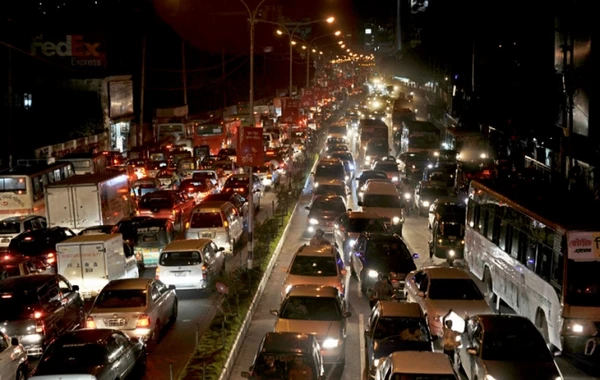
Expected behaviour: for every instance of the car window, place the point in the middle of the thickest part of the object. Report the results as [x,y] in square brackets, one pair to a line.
[113,347]
[27,225]
[64,286]
[121,340]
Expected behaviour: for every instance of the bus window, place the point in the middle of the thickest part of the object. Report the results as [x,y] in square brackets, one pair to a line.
[530,254]
[558,263]
[51,177]
[13,185]
[37,187]
[545,261]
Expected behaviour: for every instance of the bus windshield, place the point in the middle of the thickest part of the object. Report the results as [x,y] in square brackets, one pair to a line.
[583,283]
[424,142]
[209,129]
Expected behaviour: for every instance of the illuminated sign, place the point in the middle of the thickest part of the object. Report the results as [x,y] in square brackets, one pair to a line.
[368,31]
[81,52]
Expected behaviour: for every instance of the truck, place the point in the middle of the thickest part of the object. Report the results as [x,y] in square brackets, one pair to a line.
[88,200]
[92,261]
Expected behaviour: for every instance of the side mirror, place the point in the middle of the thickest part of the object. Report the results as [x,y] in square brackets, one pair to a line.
[274,312]
[307,208]
[415,256]
[471,351]
[421,294]
[360,203]
[75,288]
[172,287]
[347,314]
[221,249]
[14,341]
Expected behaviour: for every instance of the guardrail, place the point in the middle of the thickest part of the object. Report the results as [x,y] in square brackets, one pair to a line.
[100,142]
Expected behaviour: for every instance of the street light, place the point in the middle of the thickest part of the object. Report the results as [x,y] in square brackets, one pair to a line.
[336,33]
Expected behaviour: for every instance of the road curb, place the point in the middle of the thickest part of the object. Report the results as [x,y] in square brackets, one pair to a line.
[233,354]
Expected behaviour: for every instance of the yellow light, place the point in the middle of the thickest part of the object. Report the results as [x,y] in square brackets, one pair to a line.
[320,52]
[304,47]
[337,33]
[293,42]
[340,42]
[330,20]
[314,51]
[347,50]
[343,46]
[279,32]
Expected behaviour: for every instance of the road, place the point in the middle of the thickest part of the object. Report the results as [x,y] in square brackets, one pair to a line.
[416,235]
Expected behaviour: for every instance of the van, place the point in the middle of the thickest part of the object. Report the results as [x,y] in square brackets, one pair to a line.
[270,141]
[382,199]
[216,220]
[11,227]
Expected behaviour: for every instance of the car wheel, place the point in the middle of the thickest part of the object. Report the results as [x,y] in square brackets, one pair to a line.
[174,312]
[21,373]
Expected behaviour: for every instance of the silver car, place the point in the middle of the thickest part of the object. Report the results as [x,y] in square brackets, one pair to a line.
[13,358]
[139,307]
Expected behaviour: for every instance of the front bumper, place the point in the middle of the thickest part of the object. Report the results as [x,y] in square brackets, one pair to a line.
[327,227]
[333,356]
[33,344]
[449,252]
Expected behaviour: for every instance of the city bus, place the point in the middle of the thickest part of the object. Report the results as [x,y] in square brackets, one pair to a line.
[217,134]
[419,136]
[538,250]
[468,143]
[170,131]
[22,187]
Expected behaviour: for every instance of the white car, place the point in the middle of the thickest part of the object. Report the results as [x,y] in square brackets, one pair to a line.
[416,365]
[439,290]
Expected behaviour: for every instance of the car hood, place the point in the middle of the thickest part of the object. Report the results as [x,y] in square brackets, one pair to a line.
[383,348]
[320,329]
[384,212]
[293,279]
[521,370]
[323,215]
[460,307]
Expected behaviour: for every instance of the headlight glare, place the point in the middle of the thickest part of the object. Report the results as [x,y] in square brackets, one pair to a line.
[330,343]
[425,204]
[313,221]
[372,273]
[395,220]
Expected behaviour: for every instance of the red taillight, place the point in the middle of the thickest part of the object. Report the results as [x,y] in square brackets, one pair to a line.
[50,258]
[204,275]
[143,321]
[157,274]
[90,323]
[37,315]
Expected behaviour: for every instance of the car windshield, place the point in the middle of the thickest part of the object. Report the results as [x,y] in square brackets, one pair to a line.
[158,203]
[451,230]
[330,190]
[434,192]
[311,308]
[372,174]
[121,298]
[343,156]
[399,328]
[520,341]
[452,209]
[330,171]
[76,355]
[379,200]
[206,220]
[18,306]
[194,186]
[365,224]
[422,376]
[386,166]
[314,266]
[454,289]
[10,227]
[583,283]
[333,204]
[180,259]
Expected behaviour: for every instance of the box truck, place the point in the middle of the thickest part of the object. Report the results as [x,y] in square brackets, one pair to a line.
[88,200]
[91,261]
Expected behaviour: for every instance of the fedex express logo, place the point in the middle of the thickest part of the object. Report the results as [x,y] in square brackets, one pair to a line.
[81,51]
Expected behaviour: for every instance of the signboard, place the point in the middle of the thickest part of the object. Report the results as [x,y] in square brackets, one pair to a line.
[120,95]
[250,147]
[74,50]
[308,99]
[583,246]
[290,110]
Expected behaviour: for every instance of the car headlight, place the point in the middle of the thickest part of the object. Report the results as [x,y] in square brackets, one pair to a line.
[483,155]
[394,179]
[383,118]
[351,242]
[451,253]
[578,327]
[316,184]
[489,377]
[376,362]
[351,167]
[372,273]
[313,221]
[395,220]
[330,343]
[347,178]
[367,158]
[407,196]
[429,166]
[425,204]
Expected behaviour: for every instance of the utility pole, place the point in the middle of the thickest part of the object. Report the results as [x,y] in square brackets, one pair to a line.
[473,68]
[184,74]
[398,26]
[142,85]
[10,101]
[223,77]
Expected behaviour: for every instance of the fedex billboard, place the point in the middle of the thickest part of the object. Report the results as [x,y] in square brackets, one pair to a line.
[73,50]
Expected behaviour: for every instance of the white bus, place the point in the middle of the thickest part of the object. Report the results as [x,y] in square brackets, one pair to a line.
[172,131]
[468,143]
[538,251]
[22,187]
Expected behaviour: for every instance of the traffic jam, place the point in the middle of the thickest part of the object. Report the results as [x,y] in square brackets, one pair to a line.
[97,248]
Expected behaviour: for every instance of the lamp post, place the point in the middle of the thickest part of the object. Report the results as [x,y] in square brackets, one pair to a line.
[308,50]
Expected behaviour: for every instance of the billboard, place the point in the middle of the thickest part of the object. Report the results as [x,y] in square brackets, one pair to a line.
[250,147]
[120,97]
[290,110]
[73,50]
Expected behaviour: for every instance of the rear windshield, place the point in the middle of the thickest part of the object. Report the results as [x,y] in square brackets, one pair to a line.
[18,306]
[156,203]
[203,175]
[314,266]
[330,190]
[81,355]
[330,171]
[9,271]
[121,298]
[386,166]
[10,227]
[179,259]
[206,220]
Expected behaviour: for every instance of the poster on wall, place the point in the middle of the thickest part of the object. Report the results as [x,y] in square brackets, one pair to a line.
[120,94]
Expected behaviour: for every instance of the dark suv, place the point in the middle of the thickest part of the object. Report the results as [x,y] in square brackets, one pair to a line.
[40,243]
[36,309]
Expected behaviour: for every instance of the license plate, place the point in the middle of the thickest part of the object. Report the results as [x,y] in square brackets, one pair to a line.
[116,322]
[180,274]
[452,237]
[207,234]
[5,240]
[396,284]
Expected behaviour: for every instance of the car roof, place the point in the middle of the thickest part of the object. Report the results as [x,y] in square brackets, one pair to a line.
[362,215]
[400,309]
[204,205]
[25,283]
[433,184]
[129,283]
[20,218]
[381,186]
[328,198]
[187,245]
[12,259]
[287,342]
[441,273]
[381,236]
[307,290]
[372,171]
[309,250]
[505,322]
[421,362]
[91,336]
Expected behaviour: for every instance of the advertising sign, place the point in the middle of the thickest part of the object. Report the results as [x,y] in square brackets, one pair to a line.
[308,98]
[74,50]
[120,95]
[290,110]
[250,147]
[583,245]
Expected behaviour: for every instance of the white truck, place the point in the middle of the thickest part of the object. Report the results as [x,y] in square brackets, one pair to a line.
[88,200]
[91,261]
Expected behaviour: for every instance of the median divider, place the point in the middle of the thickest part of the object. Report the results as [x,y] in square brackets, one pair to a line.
[219,345]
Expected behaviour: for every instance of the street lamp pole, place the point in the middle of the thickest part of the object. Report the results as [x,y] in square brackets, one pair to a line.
[308,51]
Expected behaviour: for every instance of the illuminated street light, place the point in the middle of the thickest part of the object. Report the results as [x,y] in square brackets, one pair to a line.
[304,47]
[293,42]
[279,32]
[343,46]
[340,42]
[337,33]
[348,50]
[321,52]
[314,51]
[330,20]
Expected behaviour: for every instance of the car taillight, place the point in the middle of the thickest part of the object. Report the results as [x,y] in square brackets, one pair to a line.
[143,321]
[137,212]
[204,268]
[157,274]
[90,323]
[39,326]
[173,212]
[50,258]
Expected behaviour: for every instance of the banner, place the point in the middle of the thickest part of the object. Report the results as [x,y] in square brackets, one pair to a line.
[290,110]
[120,96]
[308,99]
[250,147]
[583,246]
[73,50]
